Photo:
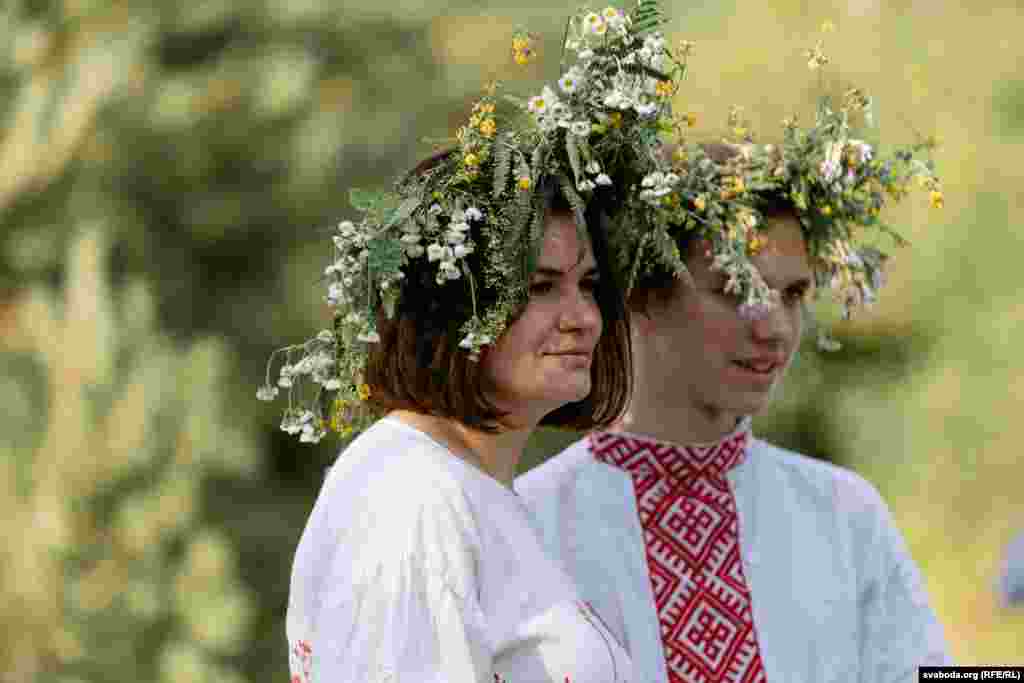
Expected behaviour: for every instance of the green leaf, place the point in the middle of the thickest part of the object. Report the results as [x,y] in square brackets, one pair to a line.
[502,167]
[385,255]
[363,200]
[579,207]
[402,212]
[573,151]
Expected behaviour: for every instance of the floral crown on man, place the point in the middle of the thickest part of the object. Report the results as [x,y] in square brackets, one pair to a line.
[600,128]
[837,184]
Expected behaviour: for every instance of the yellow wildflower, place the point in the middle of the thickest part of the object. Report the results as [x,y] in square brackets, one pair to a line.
[486,107]
[816,58]
[474,121]
[826,210]
[828,26]
[700,203]
[936,199]
[685,48]
[757,243]
[487,127]
[691,119]
[522,50]
[615,119]
[364,391]
[471,159]
[525,183]
[663,89]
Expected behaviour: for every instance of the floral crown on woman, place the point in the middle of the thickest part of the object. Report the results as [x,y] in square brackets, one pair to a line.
[598,129]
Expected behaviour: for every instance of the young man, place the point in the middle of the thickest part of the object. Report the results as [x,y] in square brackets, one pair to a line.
[715,555]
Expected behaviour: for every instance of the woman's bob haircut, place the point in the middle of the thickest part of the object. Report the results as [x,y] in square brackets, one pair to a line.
[418,365]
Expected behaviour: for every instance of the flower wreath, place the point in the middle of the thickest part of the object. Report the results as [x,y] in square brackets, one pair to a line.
[605,125]
[838,185]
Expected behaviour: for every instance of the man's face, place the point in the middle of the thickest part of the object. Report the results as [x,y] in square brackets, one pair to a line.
[712,359]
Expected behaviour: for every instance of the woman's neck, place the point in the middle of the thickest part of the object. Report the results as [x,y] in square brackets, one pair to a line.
[496,454]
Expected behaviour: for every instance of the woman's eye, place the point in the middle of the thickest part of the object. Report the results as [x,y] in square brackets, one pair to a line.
[590,284]
[540,288]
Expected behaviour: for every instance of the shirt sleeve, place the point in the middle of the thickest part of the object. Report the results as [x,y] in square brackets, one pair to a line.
[899,630]
[400,600]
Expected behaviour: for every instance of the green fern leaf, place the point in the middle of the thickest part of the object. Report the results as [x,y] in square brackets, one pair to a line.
[502,167]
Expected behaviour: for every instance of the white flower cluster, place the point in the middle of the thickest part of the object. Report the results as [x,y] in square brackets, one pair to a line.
[743,278]
[454,244]
[857,152]
[305,425]
[472,339]
[598,24]
[609,74]
[317,362]
[346,268]
[656,185]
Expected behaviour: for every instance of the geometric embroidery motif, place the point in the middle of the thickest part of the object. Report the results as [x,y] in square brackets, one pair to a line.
[691,530]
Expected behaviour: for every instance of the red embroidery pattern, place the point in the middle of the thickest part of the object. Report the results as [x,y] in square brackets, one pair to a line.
[302,661]
[691,530]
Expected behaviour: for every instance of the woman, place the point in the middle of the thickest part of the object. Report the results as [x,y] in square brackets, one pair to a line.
[475,303]
[418,560]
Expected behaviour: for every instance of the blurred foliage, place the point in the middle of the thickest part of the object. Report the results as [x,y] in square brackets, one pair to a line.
[111,572]
[168,172]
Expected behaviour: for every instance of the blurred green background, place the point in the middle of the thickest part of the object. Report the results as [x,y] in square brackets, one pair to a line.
[169,172]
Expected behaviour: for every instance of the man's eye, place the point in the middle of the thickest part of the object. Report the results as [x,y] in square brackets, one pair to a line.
[540,288]
[796,294]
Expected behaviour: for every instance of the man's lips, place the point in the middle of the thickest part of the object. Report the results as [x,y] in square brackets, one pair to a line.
[762,364]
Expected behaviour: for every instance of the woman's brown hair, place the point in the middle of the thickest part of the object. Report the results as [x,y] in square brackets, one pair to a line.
[418,365]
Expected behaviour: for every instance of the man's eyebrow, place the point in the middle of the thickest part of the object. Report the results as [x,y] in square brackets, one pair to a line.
[555,272]
[802,283]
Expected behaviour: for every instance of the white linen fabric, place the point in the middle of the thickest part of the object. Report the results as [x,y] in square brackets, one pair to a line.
[835,594]
[417,567]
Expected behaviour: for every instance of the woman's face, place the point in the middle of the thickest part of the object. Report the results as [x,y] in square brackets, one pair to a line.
[543,359]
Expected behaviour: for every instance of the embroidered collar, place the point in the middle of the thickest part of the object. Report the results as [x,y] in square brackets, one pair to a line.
[629,451]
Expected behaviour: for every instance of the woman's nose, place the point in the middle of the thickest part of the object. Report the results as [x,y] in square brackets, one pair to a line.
[580,312]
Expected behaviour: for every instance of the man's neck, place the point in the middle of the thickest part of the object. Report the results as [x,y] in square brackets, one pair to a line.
[683,425]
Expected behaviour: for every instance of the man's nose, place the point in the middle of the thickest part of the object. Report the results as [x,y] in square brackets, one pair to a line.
[775,325]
